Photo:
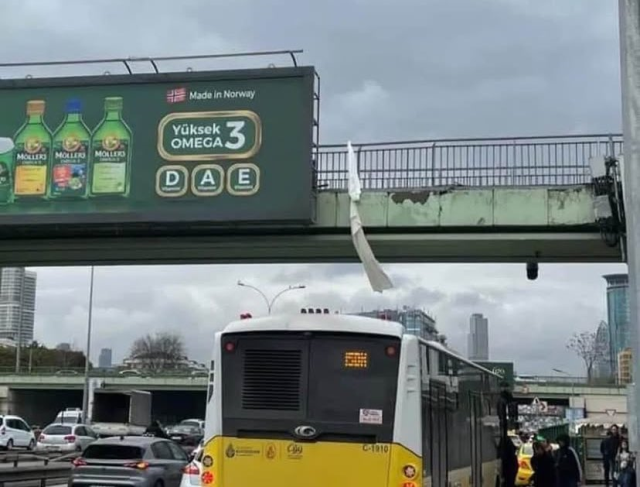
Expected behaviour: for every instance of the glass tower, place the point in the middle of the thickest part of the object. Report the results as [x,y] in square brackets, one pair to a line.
[17,304]
[618,316]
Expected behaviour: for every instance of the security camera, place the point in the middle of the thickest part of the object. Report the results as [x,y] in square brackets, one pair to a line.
[532,271]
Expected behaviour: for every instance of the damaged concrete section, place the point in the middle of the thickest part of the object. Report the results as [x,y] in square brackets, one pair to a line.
[464,207]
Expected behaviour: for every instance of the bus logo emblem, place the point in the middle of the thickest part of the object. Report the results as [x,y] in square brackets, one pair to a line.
[230,452]
[271,451]
[305,431]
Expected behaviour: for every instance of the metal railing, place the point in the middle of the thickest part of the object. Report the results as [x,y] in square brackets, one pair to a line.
[43,475]
[555,380]
[97,372]
[480,162]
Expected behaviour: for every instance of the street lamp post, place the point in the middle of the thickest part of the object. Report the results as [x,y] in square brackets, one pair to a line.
[85,391]
[267,301]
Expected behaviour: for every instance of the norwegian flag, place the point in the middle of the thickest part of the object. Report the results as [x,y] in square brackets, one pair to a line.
[177,95]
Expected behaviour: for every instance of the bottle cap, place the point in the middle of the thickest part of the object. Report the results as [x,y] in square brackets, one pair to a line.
[35,107]
[6,145]
[74,105]
[113,103]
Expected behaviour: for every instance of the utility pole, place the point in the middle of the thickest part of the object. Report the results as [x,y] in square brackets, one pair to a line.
[629,12]
[20,320]
[85,391]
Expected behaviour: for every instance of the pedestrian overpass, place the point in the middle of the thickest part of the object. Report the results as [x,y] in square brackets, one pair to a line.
[473,200]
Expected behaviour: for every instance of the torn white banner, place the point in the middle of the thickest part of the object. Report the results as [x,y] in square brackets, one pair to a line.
[377,277]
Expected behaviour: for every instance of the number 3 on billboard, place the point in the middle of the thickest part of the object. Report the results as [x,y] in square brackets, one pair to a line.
[236,133]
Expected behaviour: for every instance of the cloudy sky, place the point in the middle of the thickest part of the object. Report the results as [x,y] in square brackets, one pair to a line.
[390,70]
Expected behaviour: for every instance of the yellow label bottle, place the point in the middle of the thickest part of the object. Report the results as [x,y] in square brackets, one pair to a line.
[32,154]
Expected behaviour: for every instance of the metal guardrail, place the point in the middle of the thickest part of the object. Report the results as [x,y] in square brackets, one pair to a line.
[42,474]
[79,372]
[21,456]
[480,162]
[554,380]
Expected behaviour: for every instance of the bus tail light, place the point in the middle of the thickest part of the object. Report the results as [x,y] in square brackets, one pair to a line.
[391,351]
[230,347]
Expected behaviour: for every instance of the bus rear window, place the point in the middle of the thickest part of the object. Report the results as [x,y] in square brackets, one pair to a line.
[353,380]
[338,382]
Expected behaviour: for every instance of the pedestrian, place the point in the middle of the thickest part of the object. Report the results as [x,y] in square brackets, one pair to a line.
[156,429]
[544,468]
[609,448]
[509,458]
[568,469]
[625,471]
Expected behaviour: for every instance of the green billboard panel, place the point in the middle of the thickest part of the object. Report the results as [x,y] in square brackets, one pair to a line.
[213,148]
[503,369]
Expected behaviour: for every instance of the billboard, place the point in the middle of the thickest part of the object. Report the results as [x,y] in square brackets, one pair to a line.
[209,147]
[503,369]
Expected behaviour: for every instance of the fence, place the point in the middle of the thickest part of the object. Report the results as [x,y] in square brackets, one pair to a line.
[520,161]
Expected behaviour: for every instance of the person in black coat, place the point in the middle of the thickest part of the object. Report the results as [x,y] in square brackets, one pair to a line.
[156,429]
[609,448]
[543,465]
[509,458]
[568,469]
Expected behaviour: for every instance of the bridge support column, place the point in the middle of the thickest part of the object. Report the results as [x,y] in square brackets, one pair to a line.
[629,11]
[5,400]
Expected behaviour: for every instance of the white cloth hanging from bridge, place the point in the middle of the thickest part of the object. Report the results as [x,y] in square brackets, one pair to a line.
[377,277]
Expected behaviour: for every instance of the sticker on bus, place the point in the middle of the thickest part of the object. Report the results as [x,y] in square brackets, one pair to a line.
[371,416]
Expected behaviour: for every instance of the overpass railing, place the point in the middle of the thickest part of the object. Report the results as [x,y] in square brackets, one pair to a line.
[554,380]
[479,162]
[97,372]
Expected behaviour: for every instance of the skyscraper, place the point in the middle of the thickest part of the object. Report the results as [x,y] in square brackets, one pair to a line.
[618,316]
[478,340]
[415,321]
[17,303]
[602,366]
[106,356]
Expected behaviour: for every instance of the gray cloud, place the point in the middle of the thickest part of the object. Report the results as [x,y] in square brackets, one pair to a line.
[390,70]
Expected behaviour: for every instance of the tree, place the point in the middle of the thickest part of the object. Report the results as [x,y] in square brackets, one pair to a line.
[586,346]
[159,352]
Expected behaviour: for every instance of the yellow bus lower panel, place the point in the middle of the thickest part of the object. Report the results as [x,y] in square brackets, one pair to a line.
[234,462]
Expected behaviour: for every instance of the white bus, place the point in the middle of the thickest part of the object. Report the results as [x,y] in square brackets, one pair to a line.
[344,401]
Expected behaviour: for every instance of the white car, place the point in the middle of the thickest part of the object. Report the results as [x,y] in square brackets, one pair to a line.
[69,416]
[192,472]
[65,437]
[15,433]
[198,423]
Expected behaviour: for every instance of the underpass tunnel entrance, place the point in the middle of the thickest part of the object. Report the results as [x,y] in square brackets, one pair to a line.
[40,406]
[170,407]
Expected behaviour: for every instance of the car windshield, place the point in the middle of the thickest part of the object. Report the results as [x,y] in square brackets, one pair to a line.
[57,429]
[113,452]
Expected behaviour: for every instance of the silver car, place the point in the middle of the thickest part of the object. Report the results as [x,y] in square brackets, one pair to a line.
[139,461]
[65,437]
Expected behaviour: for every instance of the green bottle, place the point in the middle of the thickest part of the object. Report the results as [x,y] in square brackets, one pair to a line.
[70,156]
[32,154]
[111,153]
[6,171]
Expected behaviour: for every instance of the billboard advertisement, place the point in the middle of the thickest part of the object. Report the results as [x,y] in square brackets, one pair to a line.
[212,147]
[503,369]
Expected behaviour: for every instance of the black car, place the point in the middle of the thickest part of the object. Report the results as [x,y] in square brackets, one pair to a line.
[185,435]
